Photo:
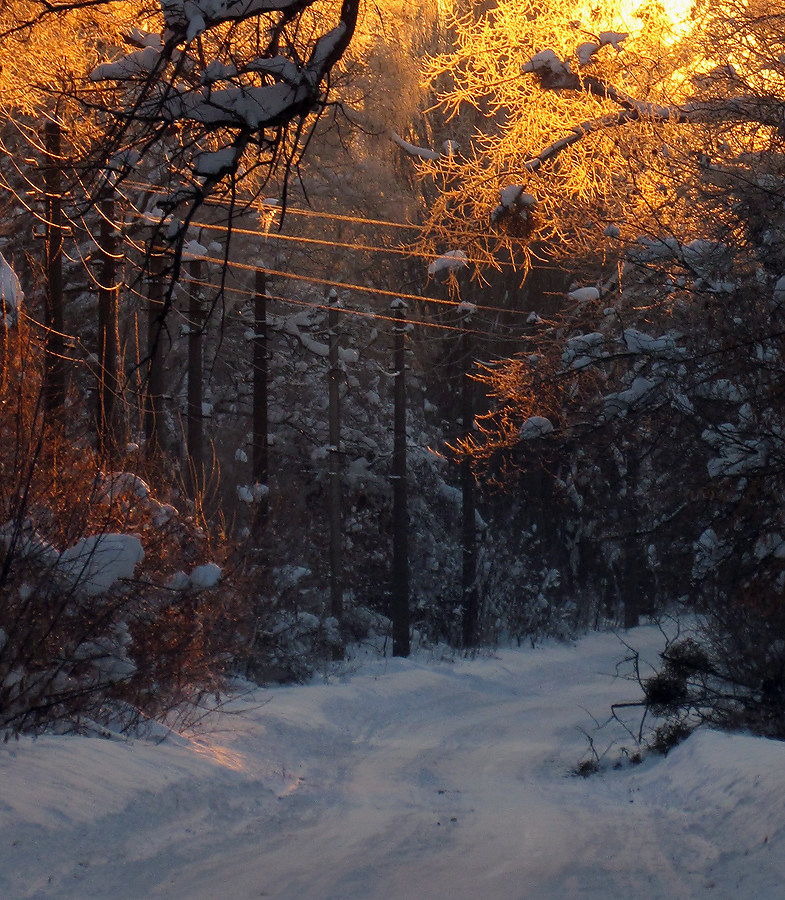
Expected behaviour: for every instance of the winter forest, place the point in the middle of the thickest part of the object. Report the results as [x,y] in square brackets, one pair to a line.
[340,335]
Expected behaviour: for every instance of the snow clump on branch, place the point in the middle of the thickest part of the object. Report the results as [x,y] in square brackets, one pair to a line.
[535,427]
[96,563]
[513,200]
[584,295]
[451,261]
[91,567]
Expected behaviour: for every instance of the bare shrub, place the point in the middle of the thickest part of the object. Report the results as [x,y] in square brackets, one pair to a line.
[100,624]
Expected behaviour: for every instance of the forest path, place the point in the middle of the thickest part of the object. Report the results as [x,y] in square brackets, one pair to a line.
[404,779]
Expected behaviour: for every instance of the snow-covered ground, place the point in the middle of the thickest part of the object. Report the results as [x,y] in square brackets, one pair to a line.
[400,779]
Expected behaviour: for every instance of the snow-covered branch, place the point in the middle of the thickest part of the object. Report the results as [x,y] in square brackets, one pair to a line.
[193,17]
[555,74]
[413,150]
[237,92]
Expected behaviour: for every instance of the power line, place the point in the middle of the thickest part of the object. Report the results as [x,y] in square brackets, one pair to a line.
[316,214]
[369,248]
[331,244]
[360,289]
[348,286]
[290,210]
[240,292]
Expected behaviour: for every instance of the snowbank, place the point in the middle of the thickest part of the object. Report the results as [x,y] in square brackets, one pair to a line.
[441,778]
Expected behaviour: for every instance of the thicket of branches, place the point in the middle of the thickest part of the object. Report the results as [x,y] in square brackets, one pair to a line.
[652,151]
[110,612]
[633,417]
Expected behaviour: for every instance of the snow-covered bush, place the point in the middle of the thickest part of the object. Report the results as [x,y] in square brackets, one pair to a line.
[290,645]
[96,627]
[666,396]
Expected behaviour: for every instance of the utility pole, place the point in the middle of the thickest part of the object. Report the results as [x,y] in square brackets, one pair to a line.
[260,461]
[468,523]
[195,424]
[107,327]
[634,570]
[54,352]
[334,461]
[400,566]
[153,418]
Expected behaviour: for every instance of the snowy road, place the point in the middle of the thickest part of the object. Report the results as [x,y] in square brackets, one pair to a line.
[403,779]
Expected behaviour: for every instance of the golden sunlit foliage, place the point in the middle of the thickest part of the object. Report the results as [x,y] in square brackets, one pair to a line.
[45,55]
[45,62]
[390,42]
[601,115]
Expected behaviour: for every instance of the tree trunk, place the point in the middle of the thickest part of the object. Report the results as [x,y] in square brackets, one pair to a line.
[400,568]
[153,421]
[334,472]
[54,353]
[194,407]
[468,525]
[107,329]
[260,460]
[634,566]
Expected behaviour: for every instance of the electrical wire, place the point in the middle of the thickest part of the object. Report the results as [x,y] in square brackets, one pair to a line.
[316,214]
[310,213]
[488,335]
[362,314]
[367,248]
[240,292]
[277,236]
[349,286]
[236,265]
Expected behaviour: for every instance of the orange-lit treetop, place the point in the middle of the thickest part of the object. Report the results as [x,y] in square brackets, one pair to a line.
[579,125]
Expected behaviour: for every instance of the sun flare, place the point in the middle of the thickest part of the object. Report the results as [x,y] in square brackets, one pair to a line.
[628,14]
